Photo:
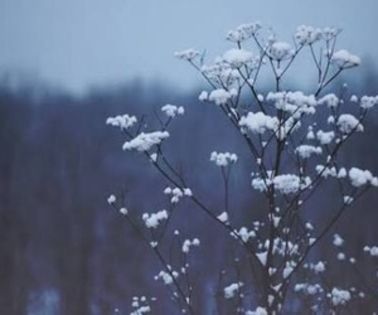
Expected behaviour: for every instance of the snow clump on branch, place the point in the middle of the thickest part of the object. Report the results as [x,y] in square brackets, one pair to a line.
[188,54]
[238,57]
[172,110]
[122,121]
[344,59]
[243,32]
[258,122]
[154,219]
[223,159]
[145,141]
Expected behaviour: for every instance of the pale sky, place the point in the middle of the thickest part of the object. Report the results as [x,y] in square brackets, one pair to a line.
[77,43]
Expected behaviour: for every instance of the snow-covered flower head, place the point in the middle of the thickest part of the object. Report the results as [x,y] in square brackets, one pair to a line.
[360,177]
[188,54]
[339,296]
[238,57]
[345,59]
[280,51]
[167,277]
[305,150]
[223,159]
[122,121]
[172,110]
[111,199]
[325,137]
[177,193]
[243,32]
[220,96]
[307,35]
[348,123]
[330,100]
[329,33]
[153,220]
[232,290]
[368,101]
[144,141]
[295,103]
[221,72]
[290,183]
[337,240]
[258,122]
[258,311]
[188,244]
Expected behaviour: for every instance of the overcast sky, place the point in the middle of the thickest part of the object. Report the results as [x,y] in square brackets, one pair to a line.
[77,43]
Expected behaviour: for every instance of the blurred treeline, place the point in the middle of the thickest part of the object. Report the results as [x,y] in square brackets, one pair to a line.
[62,249]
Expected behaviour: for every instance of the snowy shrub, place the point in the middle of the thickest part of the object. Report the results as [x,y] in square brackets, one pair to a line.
[294,140]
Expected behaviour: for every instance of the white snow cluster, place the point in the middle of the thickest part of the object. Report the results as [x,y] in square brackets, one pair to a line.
[166,276]
[172,110]
[307,35]
[348,200]
[154,219]
[373,250]
[308,289]
[289,268]
[231,290]
[223,217]
[345,59]
[295,103]
[348,123]
[176,193]
[111,199]
[360,177]
[280,245]
[305,151]
[330,171]
[259,311]
[141,310]
[317,268]
[330,100]
[140,305]
[188,54]
[238,57]
[243,32]
[284,183]
[122,121]
[221,73]
[204,96]
[368,101]
[223,159]
[262,257]
[338,241]
[145,141]
[290,183]
[340,256]
[280,51]
[258,122]
[220,96]
[244,234]
[261,184]
[330,33]
[339,296]
[187,244]
[325,137]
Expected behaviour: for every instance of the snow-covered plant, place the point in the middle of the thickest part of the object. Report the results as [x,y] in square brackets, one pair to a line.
[294,140]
